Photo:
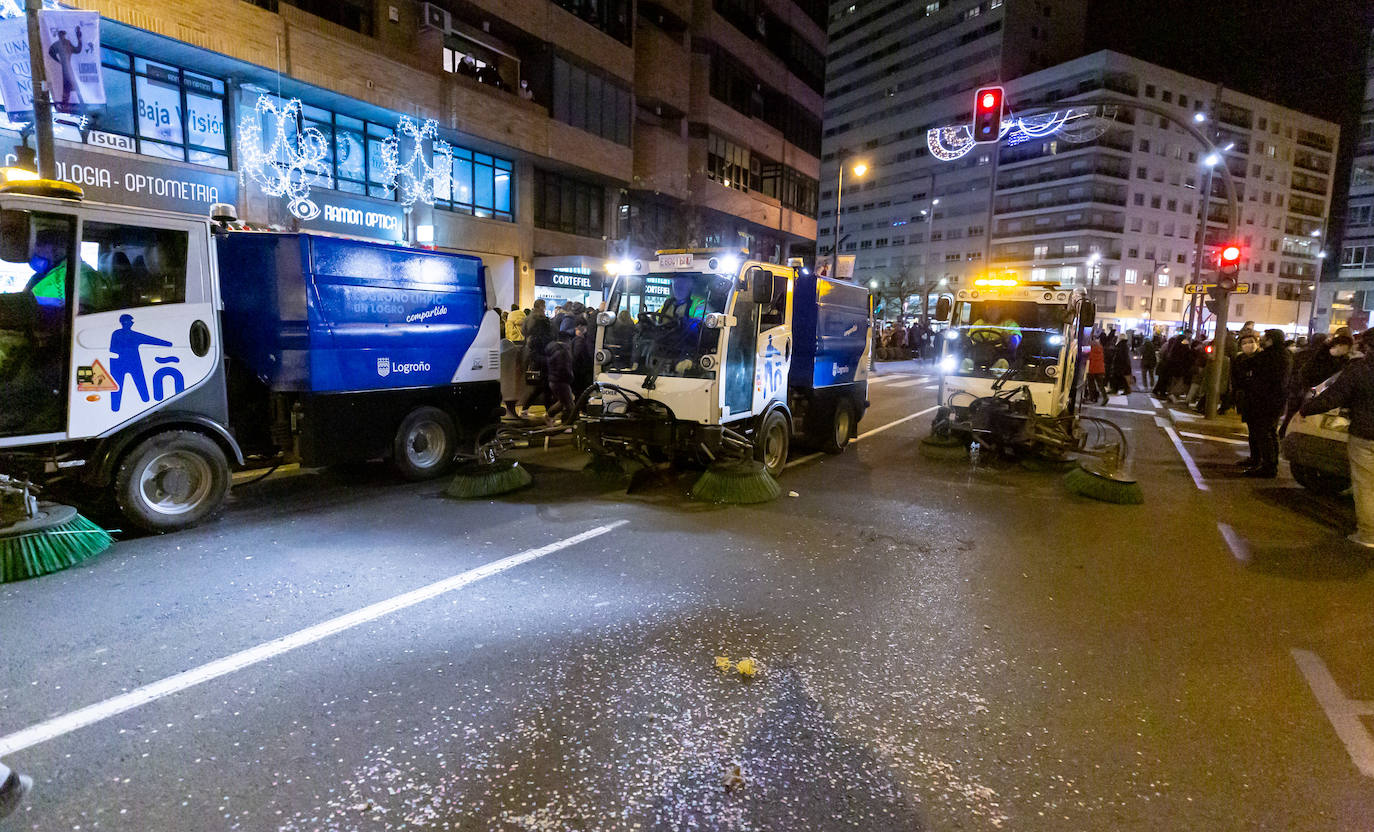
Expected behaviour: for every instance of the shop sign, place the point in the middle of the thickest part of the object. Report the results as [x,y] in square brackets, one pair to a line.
[577,279]
[135,181]
[356,217]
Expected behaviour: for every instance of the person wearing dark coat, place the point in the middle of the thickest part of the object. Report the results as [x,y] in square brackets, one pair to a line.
[1315,363]
[1119,367]
[1263,378]
[560,381]
[1149,360]
[539,333]
[583,357]
[1174,363]
[1353,389]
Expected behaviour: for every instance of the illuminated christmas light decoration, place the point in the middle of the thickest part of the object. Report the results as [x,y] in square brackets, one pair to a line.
[418,176]
[1074,124]
[288,164]
[950,143]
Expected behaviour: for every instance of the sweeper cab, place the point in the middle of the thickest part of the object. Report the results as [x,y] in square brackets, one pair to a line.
[704,356]
[1003,333]
[1012,365]
[149,353]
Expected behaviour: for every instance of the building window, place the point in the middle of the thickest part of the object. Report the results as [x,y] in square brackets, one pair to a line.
[1132,275]
[592,102]
[482,186]
[156,109]
[568,205]
[350,14]
[610,16]
[732,165]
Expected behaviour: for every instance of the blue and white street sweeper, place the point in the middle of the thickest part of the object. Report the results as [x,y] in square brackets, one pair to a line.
[150,353]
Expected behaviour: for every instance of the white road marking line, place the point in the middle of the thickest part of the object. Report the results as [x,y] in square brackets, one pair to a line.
[1183,452]
[910,383]
[932,387]
[1224,439]
[1239,549]
[1343,713]
[91,714]
[882,428]
[1120,409]
[803,459]
[885,379]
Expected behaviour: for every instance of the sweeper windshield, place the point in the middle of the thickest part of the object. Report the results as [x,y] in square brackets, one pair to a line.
[659,323]
[990,338]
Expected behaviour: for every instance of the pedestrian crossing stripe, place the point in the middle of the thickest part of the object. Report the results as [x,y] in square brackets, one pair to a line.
[909,383]
[95,379]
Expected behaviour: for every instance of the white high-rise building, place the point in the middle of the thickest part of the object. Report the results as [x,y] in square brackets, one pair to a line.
[1121,214]
[896,68]
[1121,211]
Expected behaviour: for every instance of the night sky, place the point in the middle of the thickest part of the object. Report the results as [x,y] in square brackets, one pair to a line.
[1303,54]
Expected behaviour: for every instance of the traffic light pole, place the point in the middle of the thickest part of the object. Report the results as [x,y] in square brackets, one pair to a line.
[1214,367]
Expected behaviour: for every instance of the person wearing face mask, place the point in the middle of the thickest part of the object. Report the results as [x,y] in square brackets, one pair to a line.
[1263,381]
[1353,389]
[1297,383]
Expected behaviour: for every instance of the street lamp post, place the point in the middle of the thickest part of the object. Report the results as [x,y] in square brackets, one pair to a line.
[859,170]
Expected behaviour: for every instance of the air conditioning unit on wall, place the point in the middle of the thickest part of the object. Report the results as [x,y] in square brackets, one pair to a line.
[436,18]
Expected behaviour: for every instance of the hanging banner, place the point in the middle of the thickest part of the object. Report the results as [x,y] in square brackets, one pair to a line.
[16,79]
[71,58]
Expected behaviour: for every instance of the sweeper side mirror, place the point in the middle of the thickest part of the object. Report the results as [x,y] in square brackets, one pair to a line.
[16,236]
[1087,314]
[760,282]
[942,309]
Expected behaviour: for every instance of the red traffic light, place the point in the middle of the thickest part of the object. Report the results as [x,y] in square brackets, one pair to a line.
[1230,255]
[987,115]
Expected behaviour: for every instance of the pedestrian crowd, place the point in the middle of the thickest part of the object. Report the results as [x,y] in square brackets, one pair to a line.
[548,361]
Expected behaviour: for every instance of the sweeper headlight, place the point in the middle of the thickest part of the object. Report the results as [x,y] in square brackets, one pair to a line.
[952,334]
[708,362]
[602,356]
[948,363]
[604,319]
[714,320]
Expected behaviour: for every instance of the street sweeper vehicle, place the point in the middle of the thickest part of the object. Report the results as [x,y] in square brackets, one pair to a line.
[1012,365]
[149,353]
[709,359]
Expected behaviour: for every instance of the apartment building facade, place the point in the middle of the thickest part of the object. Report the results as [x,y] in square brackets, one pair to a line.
[1119,214]
[896,69]
[1123,214]
[562,115]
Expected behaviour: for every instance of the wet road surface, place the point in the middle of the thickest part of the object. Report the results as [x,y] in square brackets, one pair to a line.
[942,646]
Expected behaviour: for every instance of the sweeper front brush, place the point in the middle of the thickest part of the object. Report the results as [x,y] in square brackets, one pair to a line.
[45,538]
[1099,483]
[740,482]
[475,480]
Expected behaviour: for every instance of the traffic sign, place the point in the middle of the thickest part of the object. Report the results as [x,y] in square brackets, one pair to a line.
[1209,288]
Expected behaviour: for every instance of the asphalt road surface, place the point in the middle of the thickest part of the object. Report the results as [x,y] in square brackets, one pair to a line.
[943,646]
